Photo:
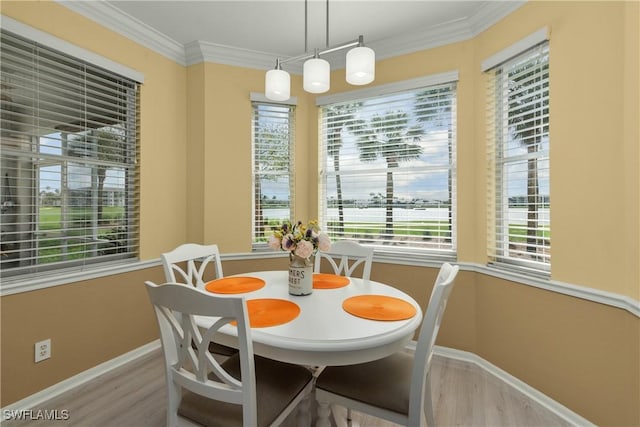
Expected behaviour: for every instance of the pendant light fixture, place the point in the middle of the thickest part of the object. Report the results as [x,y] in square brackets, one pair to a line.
[277,84]
[360,67]
[316,74]
[361,64]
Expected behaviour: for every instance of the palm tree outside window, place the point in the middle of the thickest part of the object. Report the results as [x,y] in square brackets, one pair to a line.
[273,160]
[387,169]
[519,214]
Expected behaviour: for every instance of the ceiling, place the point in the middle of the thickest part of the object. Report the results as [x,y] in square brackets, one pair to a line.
[254,32]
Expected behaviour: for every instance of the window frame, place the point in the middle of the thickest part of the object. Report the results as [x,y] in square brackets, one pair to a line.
[424,83]
[500,236]
[22,146]
[260,243]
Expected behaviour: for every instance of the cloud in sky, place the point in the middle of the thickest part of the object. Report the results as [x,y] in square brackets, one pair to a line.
[426,177]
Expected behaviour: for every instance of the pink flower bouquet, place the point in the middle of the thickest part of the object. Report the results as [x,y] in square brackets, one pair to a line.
[300,240]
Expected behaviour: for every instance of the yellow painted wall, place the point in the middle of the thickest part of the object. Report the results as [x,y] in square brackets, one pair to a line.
[93,321]
[195,174]
[593,129]
[486,314]
[220,146]
[227,153]
[581,354]
[594,189]
[88,322]
[631,146]
[594,140]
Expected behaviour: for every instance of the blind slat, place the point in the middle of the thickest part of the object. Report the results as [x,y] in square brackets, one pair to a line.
[388,169]
[518,201]
[273,163]
[68,189]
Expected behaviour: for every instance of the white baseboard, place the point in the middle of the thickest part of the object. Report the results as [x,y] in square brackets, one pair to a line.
[82,378]
[542,399]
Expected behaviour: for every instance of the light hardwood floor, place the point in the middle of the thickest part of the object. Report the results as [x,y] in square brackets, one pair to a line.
[134,395]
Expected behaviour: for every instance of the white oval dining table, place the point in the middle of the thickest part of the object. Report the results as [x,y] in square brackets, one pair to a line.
[323,333]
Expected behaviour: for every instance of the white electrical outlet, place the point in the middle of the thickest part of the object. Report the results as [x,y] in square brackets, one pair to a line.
[43,350]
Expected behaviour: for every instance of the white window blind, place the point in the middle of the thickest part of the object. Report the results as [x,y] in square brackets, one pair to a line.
[273,136]
[69,133]
[519,233]
[387,170]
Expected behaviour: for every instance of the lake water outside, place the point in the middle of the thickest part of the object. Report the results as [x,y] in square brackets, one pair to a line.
[516,215]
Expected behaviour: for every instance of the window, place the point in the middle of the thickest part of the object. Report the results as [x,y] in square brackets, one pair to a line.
[388,168]
[68,172]
[519,203]
[272,167]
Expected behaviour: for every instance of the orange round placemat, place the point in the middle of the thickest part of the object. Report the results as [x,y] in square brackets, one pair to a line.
[264,312]
[329,281]
[234,285]
[379,307]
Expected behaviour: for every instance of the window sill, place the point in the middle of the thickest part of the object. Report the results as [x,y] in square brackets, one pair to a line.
[415,258]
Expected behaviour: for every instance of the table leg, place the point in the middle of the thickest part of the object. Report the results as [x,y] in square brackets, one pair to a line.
[324,411]
[303,416]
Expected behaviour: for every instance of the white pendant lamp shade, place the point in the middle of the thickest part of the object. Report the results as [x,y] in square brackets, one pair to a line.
[361,65]
[277,85]
[316,72]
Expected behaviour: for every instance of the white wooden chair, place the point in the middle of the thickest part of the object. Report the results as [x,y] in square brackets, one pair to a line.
[197,258]
[351,255]
[396,388]
[244,390]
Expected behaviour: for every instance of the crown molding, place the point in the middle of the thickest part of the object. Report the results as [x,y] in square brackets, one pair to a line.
[444,34]
[491,12]
[113,18]
[200,51]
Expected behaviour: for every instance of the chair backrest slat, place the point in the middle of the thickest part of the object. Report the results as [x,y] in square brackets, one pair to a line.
[196,369]
[350,255]
[197,258]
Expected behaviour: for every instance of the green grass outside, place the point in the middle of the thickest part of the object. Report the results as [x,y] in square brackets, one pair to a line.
[50,220]
[51,245]
[51,217]
[518,234]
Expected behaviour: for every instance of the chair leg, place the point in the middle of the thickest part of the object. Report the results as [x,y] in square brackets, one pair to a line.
[173,400]
[324,411]
[349,419]
[303,415]
[428,402]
